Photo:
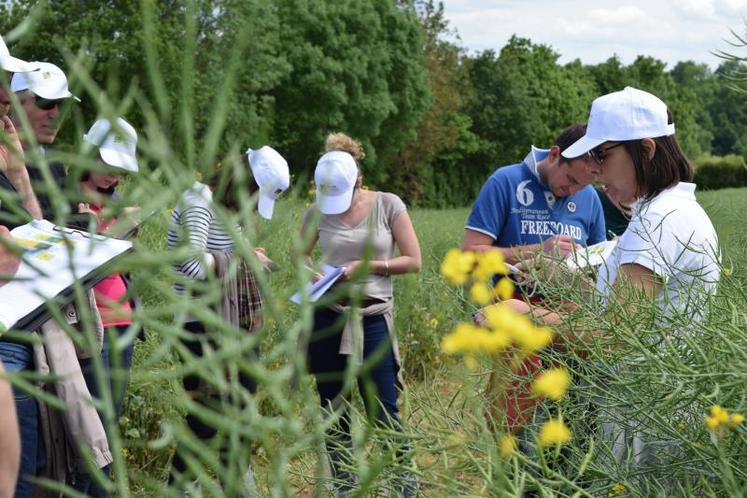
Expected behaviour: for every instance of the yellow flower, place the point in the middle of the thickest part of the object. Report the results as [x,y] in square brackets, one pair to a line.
[489,263]
[481,293]
[457,266]
[617,489]
[500,316]
[433,323]
[508,446]
[530,338]
[467,338]
[712,423]
[719,414]
[736,419]
[505,289]
[552,383]
[461,339]
[728,271]
[554,432]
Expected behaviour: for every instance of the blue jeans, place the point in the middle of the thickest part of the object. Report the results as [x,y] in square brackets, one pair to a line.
[117,364]
[377,380]
[17,358]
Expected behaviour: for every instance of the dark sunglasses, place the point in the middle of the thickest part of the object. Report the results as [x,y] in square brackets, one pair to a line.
[47,104]
[599,153]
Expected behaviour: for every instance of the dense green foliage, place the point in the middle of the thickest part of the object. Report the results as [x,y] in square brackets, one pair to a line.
[715,172]
[435,121]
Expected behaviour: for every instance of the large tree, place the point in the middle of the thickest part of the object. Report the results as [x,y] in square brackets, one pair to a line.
[356,66]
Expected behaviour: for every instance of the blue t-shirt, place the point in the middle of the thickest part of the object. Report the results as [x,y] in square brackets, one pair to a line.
[515,208]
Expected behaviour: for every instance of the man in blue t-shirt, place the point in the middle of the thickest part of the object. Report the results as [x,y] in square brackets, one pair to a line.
[544,203]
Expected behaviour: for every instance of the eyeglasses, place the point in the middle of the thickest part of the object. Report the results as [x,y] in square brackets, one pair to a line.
[599,153]
[47,104]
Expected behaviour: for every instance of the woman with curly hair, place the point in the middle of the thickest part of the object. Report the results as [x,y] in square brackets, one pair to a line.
[358,229]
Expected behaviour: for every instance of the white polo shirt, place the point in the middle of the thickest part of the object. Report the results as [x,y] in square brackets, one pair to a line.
[672,236]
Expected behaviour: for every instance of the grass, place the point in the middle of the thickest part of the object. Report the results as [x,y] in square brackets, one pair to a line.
[443,405]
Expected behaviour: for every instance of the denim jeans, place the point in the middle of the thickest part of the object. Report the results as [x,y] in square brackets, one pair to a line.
[17,358]
[116,369]
[377,382]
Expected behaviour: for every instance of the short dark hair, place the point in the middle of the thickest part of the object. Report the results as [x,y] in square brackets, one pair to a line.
[666,168]
[570,136]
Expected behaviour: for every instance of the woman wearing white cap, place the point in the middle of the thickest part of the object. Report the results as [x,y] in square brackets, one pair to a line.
[669,253]
[116,145]
[195,223]
[358,229]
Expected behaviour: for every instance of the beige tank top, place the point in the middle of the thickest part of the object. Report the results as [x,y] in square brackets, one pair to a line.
[371,238]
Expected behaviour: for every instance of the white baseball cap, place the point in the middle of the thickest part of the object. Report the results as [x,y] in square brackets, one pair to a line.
[117,143]
[271,173]
[13,64]
[49,82]
[629,114]
[335,177]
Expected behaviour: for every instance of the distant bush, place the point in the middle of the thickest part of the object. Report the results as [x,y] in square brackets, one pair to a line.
[714,172]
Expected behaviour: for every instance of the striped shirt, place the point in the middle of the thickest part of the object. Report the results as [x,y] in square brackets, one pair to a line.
[194,223]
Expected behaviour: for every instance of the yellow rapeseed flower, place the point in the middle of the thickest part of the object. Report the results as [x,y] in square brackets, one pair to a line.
[719,414]
[554,432]
[489,263]
[736,419]
[617,489]
[509,444]
[504,289]
[712,423]
[461,339]
[457,266]
[500,317]
[552,383]
[481,293]
[531,338]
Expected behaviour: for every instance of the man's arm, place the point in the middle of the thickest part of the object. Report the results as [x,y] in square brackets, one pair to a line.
[558,246]
[13,164]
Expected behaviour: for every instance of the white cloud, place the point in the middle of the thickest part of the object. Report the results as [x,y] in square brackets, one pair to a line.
[672,30]
[695,8]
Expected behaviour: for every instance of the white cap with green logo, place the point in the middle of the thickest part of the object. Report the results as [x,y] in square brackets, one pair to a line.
[117,143]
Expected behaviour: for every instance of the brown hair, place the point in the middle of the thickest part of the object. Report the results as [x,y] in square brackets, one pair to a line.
[666,168]
[344,143]
[225,190]
[568,137]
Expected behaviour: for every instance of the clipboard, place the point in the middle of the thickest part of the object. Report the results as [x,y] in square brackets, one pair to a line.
[53,259]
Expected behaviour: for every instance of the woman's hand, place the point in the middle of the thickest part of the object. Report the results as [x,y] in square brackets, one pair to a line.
[267,264]
[350,269]
[85,208]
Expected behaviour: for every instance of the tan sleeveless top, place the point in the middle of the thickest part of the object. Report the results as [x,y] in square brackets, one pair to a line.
[372,238]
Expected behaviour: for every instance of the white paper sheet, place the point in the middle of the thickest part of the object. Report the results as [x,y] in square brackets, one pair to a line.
[53,259]
[316,290]
[591,256]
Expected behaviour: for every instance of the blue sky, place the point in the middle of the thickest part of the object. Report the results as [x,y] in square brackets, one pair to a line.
[670,30]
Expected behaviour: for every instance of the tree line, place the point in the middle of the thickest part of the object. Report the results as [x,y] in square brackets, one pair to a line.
[435,120]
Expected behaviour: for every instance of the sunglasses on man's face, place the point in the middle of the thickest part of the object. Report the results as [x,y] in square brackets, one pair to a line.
[47,104]
[599,153]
